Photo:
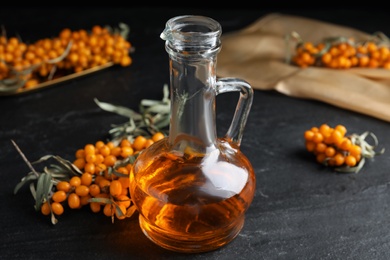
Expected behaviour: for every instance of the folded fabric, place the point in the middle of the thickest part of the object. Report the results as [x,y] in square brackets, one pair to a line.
[258,52]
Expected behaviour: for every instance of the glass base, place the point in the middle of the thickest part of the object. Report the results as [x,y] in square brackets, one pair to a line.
[190,243]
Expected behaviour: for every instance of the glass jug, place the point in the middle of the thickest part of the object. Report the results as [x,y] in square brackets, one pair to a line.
[192,188]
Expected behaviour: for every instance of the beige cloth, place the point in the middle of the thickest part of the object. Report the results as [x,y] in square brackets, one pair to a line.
[257,54]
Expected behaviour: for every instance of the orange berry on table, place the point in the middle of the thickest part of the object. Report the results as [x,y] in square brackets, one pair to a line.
[59,196]
[115,188]
[89,149]
[125,181]
[318,137]
[308,135]
[95,207]
[85,200]
[57,208]
[75,181]
[94,190]
[126,151]
[125,142]
[320,148]
[105,150]
[330,151]
[339,159]
[310,146]
[63,185]
[79,163]
[355,150]
[110,160]
[80,153]
[86,179]
[350,161]
[104,183]
[45,209]
[109,210]
[346,144]
[73,201]
[158,136]
[90,158]
[89,167]
[139,143]
[82,190]
[321,157]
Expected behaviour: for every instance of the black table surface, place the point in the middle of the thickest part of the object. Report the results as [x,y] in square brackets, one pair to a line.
[301,210]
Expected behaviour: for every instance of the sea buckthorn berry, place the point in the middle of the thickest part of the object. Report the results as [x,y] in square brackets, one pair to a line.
[342,129]
[330,151]
[90,158]
[89,149]
[79,163]
[339,159]
[116,151]
[158,136]
[325,130]
[73,201]
[123,170]
[57,208]
[99,159]
[125,181]
[80,153]
[99,144]
[82,190]
[105,150]
[336,137]
[355,150]
[95,207]
[110,145]
[86,179]
[318,137]
[310,146]
[350,160]
[94,190]
[89,167]
[104,183]
[139,143]
[45,209]
[109,210]
[346,144]
[308,135]
[320,148]
[321,157]
[101,167]
[148,143]
[59,196]
[115,188]
[126,151]
[85,200]
[125,143]
[64,186]
[75,181]
[110,160]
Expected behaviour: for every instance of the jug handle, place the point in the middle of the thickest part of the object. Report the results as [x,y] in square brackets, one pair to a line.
[236,128]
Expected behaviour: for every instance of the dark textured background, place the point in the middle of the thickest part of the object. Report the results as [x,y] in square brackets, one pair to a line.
[300,211]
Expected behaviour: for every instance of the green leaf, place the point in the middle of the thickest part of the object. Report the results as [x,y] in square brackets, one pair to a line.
[30,177]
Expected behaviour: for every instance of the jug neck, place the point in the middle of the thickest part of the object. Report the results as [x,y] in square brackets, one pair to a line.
[192,43]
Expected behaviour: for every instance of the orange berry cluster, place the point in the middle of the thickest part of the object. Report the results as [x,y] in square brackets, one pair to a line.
[331,146]
[342,55]
[69,52]
[104,182]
